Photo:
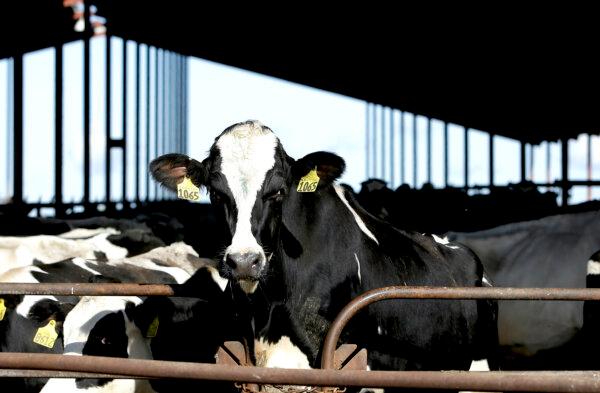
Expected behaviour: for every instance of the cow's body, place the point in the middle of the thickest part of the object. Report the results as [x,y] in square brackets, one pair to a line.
[17,334]
[16,252]
[303,256]
[549,252]
[178,329]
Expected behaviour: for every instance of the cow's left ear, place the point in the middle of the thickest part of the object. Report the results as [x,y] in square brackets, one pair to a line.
[329,167]
[170,170]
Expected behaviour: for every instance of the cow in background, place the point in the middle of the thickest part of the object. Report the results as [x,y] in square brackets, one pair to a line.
[549,252]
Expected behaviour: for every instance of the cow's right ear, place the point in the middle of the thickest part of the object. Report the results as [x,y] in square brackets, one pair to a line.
[170,170]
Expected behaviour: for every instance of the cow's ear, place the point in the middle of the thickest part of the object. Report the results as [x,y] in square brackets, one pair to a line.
[329,167]
[170,170]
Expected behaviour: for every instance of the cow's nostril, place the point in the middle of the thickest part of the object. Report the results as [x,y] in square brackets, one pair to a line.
[256,262]
[231,262]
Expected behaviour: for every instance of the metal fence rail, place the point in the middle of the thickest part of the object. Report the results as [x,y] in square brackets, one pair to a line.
[61,366]
[399,292]
[543,381]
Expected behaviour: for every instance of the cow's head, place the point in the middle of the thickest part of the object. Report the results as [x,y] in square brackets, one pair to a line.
[249,176]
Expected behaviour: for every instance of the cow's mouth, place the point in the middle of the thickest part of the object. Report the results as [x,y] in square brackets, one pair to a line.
[248,285]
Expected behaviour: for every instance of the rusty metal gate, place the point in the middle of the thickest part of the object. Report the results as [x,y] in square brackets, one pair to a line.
[340,368]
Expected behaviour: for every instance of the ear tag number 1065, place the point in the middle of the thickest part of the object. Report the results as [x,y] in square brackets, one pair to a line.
[187,190]
[309,182]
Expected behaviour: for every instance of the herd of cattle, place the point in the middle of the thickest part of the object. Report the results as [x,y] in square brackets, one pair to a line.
[288,260]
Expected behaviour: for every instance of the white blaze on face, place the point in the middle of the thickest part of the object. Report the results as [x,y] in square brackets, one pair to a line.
[247,154]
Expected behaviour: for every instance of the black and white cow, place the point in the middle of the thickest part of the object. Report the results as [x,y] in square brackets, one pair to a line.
[22,251]
[178,328]
[549,252]
[302,256]
[25,314]
[18,334]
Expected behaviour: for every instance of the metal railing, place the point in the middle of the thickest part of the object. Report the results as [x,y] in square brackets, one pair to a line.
[43,365]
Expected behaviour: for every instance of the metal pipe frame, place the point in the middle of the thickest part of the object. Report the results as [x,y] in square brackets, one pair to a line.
[394,292]
[588,381]
[401,292]
[540,381]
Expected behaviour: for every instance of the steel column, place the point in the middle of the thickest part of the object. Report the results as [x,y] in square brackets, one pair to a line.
[58,128]
[17,77]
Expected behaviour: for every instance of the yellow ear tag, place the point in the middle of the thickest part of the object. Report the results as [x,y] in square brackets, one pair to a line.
[152,328]
[2,309]
[187,190]
[46,336]
[309,182]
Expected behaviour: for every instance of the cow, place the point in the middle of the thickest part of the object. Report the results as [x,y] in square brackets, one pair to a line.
[302,256]
[22,251]
[179,328]
[549,252]
[20,333]
[24,315]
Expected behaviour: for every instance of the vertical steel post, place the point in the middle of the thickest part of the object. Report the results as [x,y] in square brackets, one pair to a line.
[58,128]
[565,171]
[466,142]
[17,76]
[108,124]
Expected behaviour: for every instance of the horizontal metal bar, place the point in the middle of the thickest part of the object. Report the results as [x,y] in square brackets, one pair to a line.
[540,381]
[105,289]
[119,143]
[14,373]
[399,292]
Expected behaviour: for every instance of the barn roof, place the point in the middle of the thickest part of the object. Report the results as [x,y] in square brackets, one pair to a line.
[497,73]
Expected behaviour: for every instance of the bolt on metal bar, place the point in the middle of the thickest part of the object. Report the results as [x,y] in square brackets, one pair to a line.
[400,292]
[541,381]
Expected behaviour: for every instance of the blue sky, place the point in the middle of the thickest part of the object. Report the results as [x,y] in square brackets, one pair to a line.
[305,119]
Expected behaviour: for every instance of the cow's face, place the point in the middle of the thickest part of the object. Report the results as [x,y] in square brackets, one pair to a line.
[249,177]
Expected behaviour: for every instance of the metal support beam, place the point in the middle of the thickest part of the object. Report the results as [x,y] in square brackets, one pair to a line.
[492,159]
[374,134]
[415,151]
[548,162]
[108,125]
[446,155]
[148,157]
[124,148]
[589,165]
[429,150]
[156,112]
[368,140]
[138,120]
[466,142]
[86,120]
[58,128]
[402,149]
[392,145]
[523,162]
[17,76]
[565,170]
[383,160]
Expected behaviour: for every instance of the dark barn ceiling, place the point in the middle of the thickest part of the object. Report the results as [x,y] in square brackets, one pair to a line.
[508,78]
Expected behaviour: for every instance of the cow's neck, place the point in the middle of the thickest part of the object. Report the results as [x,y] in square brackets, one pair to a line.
[319,240]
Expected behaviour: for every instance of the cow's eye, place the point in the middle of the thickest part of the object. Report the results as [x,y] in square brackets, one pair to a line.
[216,197]
[275,196]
